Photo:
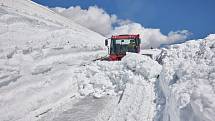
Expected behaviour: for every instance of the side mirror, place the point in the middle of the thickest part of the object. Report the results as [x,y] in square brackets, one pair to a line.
[106,42]
[139,41]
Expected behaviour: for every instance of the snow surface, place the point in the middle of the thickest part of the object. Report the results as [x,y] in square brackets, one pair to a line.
[47,73]
[187,81]
[129,86]
[39,51]
[28,26]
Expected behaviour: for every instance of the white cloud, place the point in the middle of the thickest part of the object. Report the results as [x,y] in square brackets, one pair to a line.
[178,35]
[93,18]
[100,21]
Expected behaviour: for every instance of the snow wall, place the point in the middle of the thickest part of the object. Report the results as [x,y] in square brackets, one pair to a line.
[187,81]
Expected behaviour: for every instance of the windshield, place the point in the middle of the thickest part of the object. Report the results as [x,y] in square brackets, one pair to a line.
[124,42]
[122,46]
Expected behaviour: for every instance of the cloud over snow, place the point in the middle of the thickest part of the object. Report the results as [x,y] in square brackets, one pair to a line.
[93,18]
[100,21]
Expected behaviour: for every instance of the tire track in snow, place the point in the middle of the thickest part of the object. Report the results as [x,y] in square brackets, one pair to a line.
[84,110]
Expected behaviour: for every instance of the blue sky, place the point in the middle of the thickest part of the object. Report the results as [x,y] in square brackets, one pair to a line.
[197,16]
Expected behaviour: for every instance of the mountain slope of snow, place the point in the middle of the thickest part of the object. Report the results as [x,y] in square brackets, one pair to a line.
[39,51]
[25,23]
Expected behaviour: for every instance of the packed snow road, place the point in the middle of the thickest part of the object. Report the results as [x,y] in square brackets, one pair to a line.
[84,110]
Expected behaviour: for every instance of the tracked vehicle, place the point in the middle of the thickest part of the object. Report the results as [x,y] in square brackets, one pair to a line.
[120,44]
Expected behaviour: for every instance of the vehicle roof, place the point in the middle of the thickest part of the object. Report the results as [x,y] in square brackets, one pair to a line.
[130,36]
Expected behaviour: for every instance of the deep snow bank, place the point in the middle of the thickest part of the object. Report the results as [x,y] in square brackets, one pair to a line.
[188,81]
[103,77]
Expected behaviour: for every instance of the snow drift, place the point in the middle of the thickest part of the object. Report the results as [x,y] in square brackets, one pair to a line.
[188,81]
[100,78]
